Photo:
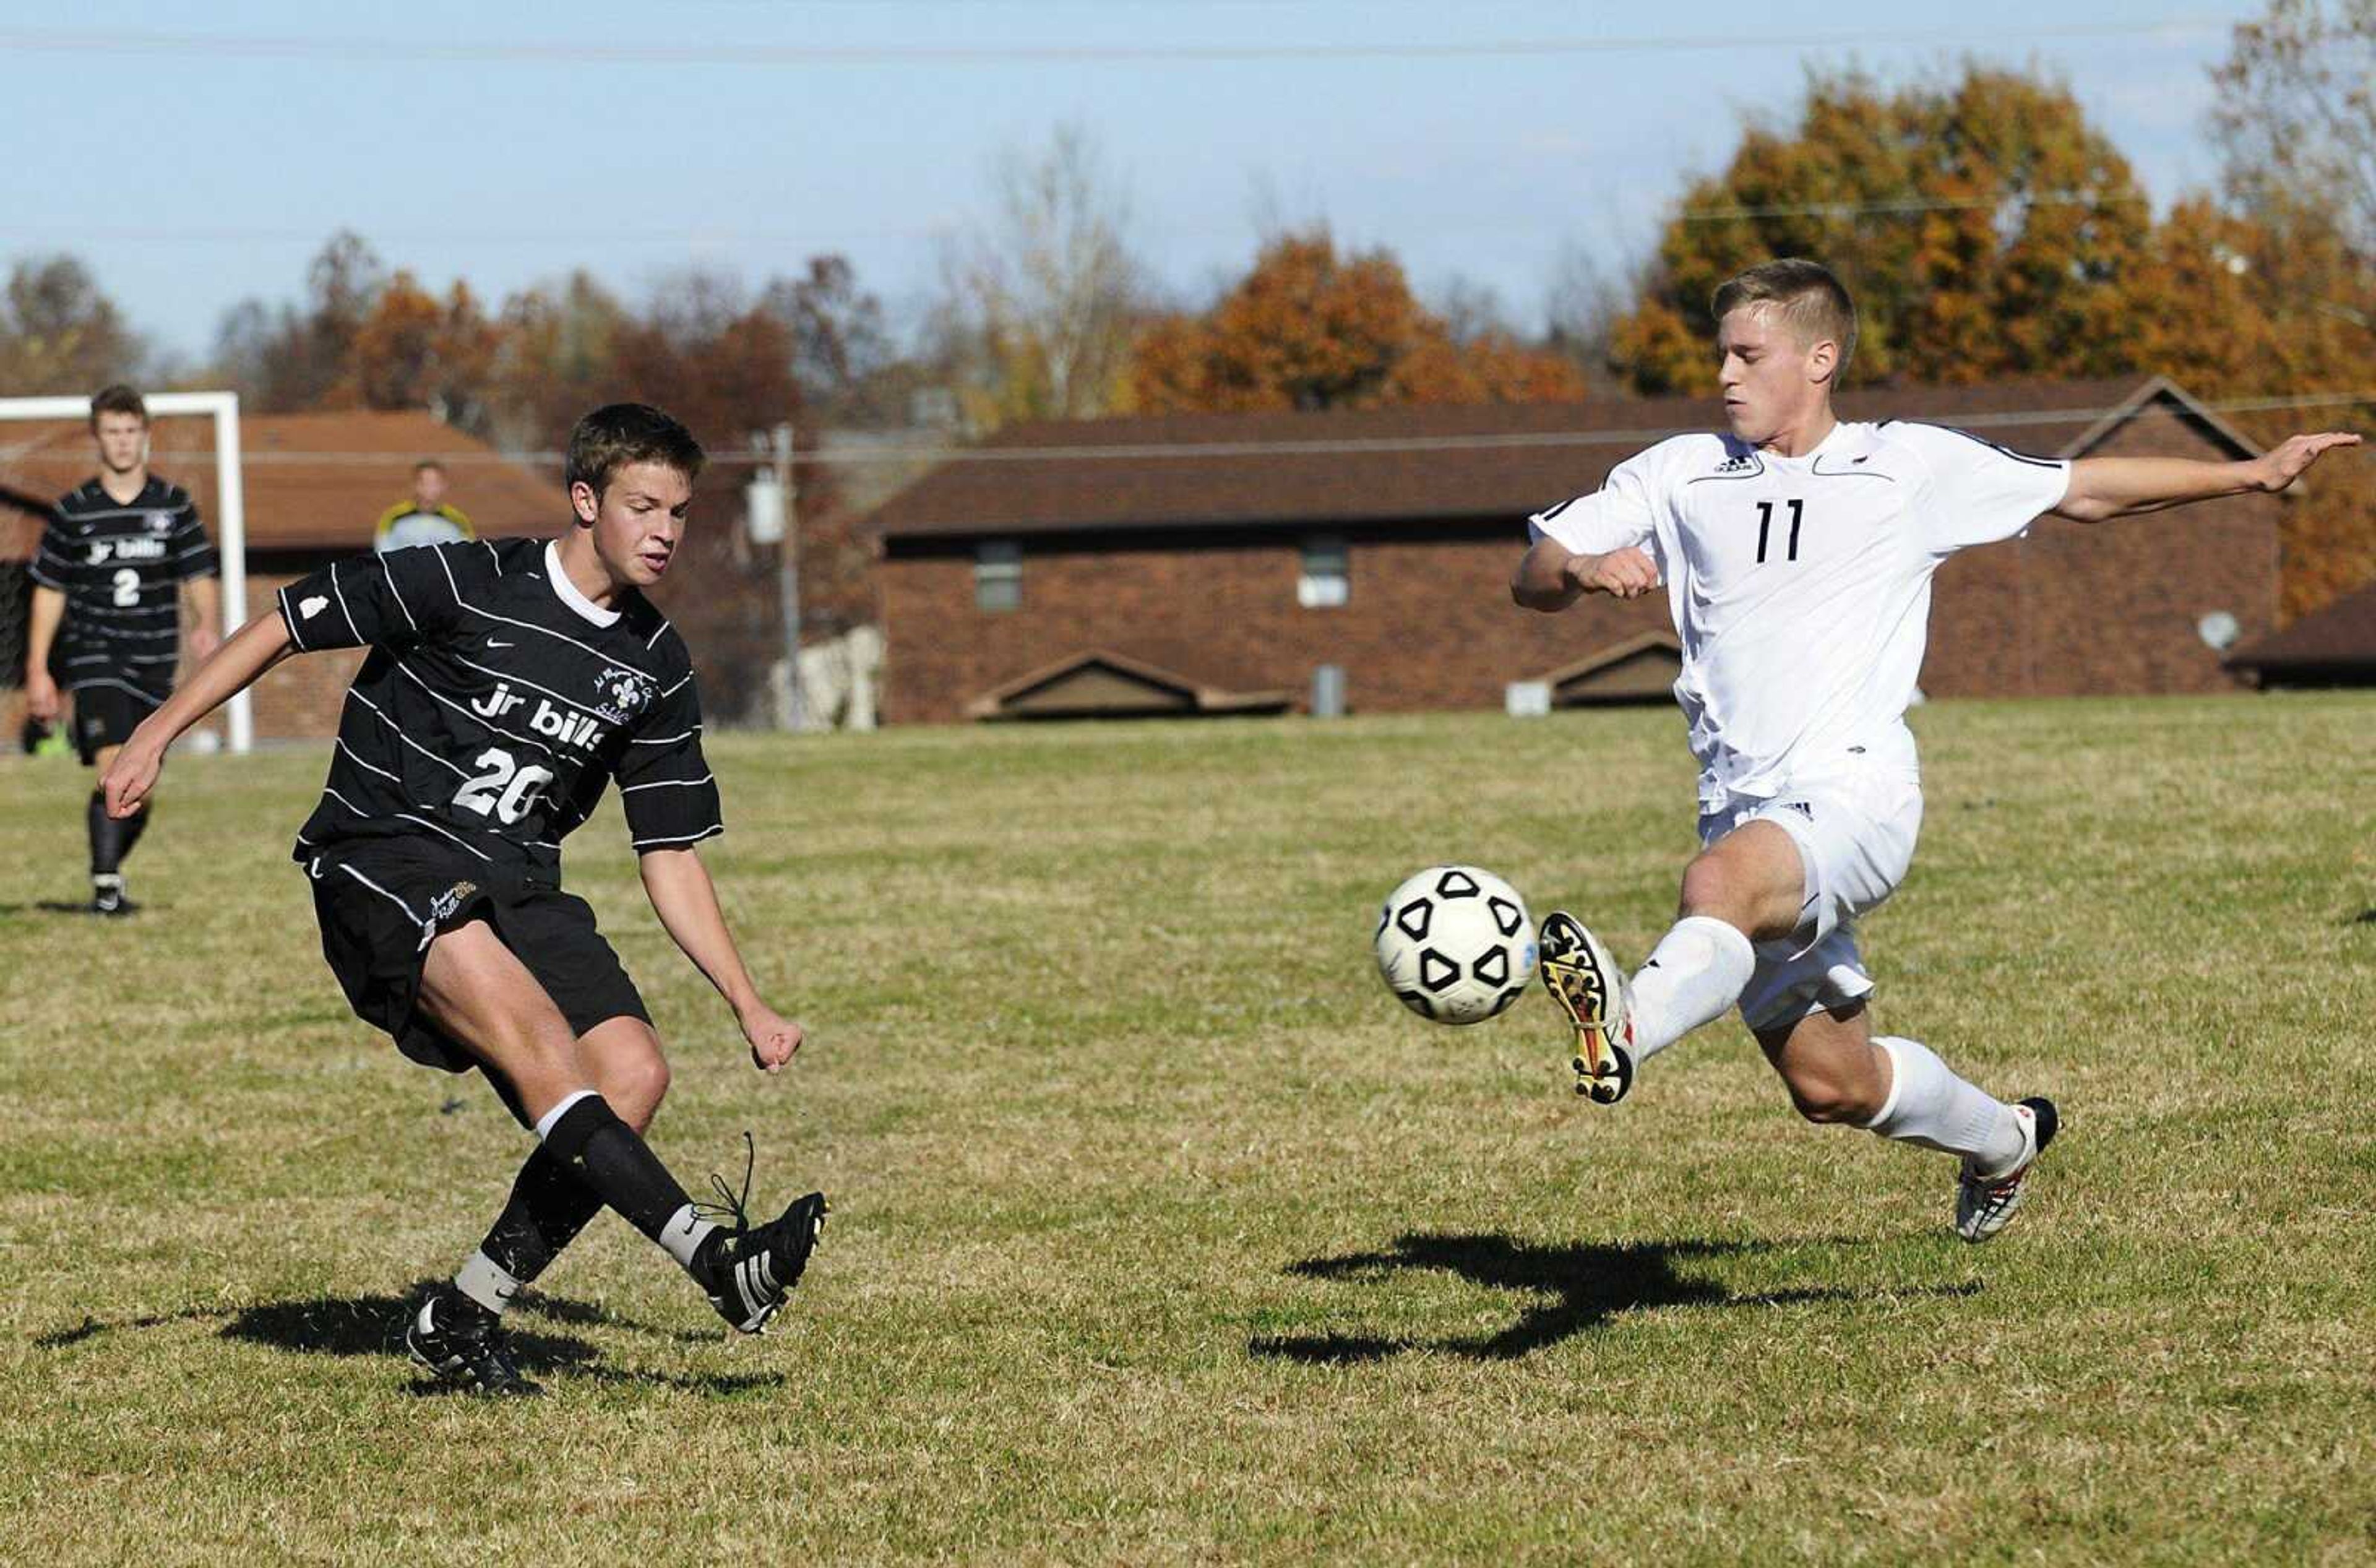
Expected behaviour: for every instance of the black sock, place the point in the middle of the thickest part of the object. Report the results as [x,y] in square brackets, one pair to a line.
[549,1206]
[128,832]
[106,837]
[604,1154]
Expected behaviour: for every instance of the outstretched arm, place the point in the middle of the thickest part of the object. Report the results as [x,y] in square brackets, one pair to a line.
[1551,576]
[260,645]
[686,901]
[2117,487]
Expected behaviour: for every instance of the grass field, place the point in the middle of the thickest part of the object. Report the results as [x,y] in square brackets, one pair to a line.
[1162,1233]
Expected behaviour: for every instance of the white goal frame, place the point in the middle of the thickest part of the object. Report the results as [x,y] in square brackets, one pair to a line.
[230,503]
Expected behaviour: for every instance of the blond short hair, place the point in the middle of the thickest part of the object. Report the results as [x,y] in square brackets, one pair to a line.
[1808,296]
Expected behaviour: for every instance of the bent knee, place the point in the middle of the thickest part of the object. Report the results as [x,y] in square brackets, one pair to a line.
[1713,888]
[642,1086]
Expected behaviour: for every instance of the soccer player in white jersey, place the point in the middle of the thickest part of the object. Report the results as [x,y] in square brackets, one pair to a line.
[1797,553]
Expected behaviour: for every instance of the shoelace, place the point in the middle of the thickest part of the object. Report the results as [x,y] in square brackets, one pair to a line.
[731,1208]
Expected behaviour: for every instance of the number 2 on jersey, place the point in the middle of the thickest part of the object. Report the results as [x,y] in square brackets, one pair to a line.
[1765,527]
[517,785]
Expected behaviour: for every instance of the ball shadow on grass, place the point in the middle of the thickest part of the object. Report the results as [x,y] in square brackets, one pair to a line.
[1579,1288]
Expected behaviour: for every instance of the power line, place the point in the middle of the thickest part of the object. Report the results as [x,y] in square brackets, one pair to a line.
[266,234]
[1146,451]
[746,54]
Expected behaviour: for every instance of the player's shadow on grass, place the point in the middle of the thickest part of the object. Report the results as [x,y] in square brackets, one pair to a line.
[373,1326]
[58,907]
[1578,1288]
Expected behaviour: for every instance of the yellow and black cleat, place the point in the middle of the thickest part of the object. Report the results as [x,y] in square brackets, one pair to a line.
[1590,990]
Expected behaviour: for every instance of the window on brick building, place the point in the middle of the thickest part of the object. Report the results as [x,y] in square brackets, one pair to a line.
[998,575]
[1327,577]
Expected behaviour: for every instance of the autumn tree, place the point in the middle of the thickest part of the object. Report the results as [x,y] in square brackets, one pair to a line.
[414,351]
[1985,228]
[2277,293]
[1039,305]
[289,358]
[2296,114]
[553,357]
[60,333]
[1307,327]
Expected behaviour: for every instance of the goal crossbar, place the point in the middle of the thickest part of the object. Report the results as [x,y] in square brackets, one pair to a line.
[231,502]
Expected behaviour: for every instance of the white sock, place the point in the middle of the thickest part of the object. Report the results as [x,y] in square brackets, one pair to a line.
[546,1123]
[683,1236]
[1697,970]
[1927,1104]
[487,1283]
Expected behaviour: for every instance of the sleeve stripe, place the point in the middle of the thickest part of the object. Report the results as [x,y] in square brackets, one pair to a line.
[398,593]
[359,638]
[289,619]
[667,739]
[712,831]
[667,784]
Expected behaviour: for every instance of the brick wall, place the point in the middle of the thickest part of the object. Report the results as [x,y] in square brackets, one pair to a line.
[2080,609]
[2072,609]
[1429,624]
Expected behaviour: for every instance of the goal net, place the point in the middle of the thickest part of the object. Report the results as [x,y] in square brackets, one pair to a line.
[26,446]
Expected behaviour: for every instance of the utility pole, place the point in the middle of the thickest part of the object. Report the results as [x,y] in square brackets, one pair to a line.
[788,571]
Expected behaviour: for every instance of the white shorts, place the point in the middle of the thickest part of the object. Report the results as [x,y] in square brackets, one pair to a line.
[1855,831]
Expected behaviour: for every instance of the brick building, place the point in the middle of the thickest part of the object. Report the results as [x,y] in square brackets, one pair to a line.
[1214,563]
[314,483]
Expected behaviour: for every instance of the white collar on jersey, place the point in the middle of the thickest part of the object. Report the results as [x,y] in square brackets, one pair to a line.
[568,591]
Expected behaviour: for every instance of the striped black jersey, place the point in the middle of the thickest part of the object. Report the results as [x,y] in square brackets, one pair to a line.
[496,704]
[121,565]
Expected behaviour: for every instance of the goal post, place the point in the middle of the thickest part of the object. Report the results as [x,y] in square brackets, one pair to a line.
[229,521]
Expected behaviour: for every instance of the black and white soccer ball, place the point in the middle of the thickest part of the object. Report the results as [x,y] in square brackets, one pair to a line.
[1456,945]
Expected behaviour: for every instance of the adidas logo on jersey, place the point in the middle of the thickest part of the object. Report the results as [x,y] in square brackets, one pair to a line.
[1740,464]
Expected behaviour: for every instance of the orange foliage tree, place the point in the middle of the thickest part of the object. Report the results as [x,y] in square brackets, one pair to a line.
[1311,328]
[1985,228]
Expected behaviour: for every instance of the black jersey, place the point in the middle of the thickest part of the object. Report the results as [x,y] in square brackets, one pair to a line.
[498,703]
[121,565]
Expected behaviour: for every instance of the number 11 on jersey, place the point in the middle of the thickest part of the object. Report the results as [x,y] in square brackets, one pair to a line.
[1765,527]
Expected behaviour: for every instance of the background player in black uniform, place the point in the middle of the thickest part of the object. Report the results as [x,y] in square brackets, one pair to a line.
[107,613]
[507,685]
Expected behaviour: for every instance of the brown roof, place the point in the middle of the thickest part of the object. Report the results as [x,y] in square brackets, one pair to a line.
[312,481]
[2341,637]
[1199,471]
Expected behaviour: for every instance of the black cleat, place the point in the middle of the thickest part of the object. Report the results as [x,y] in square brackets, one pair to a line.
[753,1269]
[107,897]
[461,1344]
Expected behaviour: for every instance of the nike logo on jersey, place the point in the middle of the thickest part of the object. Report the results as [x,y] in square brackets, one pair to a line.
[493,643]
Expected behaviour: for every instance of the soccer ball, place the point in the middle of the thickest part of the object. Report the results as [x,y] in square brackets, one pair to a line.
[1456,945]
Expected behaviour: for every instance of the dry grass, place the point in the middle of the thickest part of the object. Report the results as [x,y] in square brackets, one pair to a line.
[1163,1234]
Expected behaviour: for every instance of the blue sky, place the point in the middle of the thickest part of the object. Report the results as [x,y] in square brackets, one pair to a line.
[508,143]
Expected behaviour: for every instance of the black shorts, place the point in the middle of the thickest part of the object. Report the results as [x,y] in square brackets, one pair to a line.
[105,715]
[380,902]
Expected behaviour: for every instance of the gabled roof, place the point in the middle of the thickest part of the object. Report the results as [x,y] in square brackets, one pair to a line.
[1095,683]
[2341,637]
[312,481]
[1398,465]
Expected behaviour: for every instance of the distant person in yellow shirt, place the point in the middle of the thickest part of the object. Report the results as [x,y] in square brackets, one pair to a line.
[424,519]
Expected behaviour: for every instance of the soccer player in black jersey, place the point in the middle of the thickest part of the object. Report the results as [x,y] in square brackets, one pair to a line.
[107,613]
[507,685]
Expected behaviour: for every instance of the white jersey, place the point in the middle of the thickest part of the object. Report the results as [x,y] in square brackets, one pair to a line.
[1800,586]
